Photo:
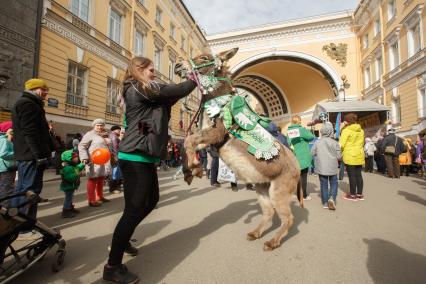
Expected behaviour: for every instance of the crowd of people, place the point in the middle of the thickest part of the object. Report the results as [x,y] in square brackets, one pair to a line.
[28,141]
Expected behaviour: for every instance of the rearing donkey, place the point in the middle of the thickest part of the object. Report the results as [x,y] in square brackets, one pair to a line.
[276,177]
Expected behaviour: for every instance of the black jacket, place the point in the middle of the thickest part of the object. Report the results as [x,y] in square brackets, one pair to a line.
[389,140]
[31,138]
[147,117]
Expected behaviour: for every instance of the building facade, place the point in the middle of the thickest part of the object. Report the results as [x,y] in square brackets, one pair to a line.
[291,66]
[86,46]
[19,43]
[391,42]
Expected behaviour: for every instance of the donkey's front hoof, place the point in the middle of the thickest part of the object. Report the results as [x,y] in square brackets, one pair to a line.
[252,236]
[270,245]
[198,172]
[188,178]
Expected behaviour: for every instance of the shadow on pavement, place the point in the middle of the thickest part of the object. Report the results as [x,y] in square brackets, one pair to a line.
[84,255]
[389,263]
[420,182]
[412,197]
[180,195]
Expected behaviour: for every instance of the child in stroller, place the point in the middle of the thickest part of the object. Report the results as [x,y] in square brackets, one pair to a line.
[15,259]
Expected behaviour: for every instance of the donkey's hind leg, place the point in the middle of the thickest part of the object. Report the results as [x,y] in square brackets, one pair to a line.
[267,211]
[280,198]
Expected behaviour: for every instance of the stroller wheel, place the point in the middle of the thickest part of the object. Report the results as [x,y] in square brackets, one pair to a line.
[59,260]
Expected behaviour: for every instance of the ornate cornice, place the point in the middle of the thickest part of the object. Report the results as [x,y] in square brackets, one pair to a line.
[158,40]
[65,29]
[141,24]
[17,39]
[281,33]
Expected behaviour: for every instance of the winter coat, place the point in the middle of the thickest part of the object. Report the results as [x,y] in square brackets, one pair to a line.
[31,138]
[369,148]
[299,140]
[70,173]
[326,152]
[114,145]
[147,117]
[274,130]
[6,154]
[90,142]
[352,144]
[390,140]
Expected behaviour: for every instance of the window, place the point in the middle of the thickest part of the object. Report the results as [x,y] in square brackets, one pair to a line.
[115,26]
[140,42]
[396,107]
[394,55]
[171,68]
[365,41]
[391,9]
[414,40]
[422,103]
[377,28]
[159,16]
[157,58]
[182,42]
[76,84]
[367,80]
[80,8]
[172,30]
[112,94]
[379,67]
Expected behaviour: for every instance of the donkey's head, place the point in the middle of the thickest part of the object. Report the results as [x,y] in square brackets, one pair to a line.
[211,71]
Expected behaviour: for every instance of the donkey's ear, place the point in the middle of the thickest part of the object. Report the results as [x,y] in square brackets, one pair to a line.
[226,55]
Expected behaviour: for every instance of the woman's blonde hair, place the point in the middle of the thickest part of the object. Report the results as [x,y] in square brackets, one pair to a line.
[296,119]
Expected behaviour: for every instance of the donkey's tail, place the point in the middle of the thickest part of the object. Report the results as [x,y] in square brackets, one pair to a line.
[300,193]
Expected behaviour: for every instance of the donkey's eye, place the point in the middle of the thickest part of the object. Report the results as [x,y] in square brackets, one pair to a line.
[204,58]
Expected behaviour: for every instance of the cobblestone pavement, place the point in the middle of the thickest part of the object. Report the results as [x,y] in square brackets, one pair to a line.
[197,235]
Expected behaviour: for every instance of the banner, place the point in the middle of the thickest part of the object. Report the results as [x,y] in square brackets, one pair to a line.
[225,174]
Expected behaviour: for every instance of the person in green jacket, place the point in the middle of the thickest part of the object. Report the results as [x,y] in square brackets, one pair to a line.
[352,143]
[299,138]
[70,175]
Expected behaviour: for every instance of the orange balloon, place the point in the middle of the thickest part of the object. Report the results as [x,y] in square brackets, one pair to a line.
[100,156]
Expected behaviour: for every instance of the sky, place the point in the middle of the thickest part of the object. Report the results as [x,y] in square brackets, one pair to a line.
[216,16]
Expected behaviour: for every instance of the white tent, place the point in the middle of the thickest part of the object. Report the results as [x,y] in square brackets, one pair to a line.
[348,106]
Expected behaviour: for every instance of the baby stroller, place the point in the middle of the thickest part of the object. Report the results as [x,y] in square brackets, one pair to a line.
[15,259]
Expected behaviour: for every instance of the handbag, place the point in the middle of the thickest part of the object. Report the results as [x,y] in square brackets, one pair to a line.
[391,149]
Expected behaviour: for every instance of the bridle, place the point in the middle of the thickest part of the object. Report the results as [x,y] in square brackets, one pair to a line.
[205,83]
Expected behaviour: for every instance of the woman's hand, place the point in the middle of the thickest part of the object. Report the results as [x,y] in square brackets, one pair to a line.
[85,161]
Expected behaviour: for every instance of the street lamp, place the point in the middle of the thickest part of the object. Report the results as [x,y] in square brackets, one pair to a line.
[345,85]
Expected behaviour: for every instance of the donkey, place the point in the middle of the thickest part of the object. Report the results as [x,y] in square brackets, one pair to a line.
[275,179]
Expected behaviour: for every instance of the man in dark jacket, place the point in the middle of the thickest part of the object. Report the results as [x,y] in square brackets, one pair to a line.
[392,147]
[115,178]
[214,168]
[31,141]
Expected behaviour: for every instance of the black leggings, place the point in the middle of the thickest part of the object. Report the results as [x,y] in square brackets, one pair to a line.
[356,183]
[304,180]
[141,194]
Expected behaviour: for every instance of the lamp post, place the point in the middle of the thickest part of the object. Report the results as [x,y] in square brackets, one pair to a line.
[345,85]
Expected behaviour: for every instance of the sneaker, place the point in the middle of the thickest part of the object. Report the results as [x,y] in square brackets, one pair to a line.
[30,236]
[350,197]
[116,191]
[307,198]
[360,197]
[68,213]
[131,250]
[331,204]
[103,199]
[325,206]
[119,274]
[216,184]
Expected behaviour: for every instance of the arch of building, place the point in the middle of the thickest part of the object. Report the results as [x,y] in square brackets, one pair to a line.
[268,92]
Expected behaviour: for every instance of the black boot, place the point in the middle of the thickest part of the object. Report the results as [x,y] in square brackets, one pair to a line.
[68,213]
[119,274]
[74,210]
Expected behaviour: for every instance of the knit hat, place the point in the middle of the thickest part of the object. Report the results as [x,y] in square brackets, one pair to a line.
[327,129]
[115,127]
[5,126]
[68,155]
[98,121]
[35,83]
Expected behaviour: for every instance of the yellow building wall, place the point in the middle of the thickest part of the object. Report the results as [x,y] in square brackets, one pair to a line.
[409,106]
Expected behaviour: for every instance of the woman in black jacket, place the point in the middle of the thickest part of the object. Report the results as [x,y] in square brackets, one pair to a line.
[147,105]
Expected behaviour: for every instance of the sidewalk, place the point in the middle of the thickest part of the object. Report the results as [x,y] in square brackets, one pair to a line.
[50,175]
